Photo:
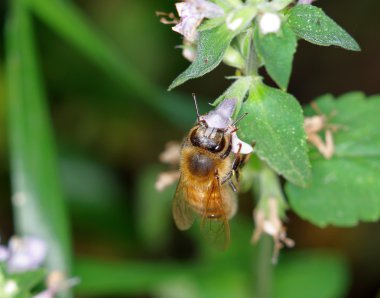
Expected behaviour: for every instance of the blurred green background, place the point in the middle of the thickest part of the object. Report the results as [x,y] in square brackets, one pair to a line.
[111,120]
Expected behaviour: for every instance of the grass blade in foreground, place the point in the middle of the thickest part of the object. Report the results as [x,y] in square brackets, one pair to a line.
[38,204]
[71,24]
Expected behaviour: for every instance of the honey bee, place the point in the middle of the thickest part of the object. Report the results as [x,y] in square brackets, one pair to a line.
[211,155]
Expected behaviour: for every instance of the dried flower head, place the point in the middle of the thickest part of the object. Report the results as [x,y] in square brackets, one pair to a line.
[316,124]
[270,223]
[171,153]
[191,13]
[171,156]
[166,179]
[56,282]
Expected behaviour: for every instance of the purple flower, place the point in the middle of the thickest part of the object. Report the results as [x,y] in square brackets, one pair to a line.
[220,118]
[23,254]
[305,1]
[191,13]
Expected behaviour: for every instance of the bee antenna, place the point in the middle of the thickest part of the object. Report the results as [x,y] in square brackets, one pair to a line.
[196,106]
[237,120]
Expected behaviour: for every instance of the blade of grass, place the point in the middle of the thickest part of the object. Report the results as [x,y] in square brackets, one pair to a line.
[39,209]
[73,26]
[140,278]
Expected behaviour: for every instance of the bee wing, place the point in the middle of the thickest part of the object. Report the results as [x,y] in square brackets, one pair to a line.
[182,213]
[216,230]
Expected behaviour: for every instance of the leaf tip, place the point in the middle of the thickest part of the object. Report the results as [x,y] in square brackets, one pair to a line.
[174,84]
[355,47]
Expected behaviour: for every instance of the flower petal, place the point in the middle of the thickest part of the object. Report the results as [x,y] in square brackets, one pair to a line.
[221,116]
[236,143]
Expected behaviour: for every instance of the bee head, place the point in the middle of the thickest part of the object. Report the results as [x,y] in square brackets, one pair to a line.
[211,139]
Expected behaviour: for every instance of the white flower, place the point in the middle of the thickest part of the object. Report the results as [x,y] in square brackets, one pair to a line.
[240,146]
[269,23]
[192,12]
[10,288]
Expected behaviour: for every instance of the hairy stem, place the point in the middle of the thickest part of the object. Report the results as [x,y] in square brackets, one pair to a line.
[252,64]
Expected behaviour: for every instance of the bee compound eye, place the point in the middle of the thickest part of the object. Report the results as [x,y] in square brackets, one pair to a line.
[220,146]
[194,138]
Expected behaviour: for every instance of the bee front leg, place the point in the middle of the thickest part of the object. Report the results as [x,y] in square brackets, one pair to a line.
[234,168]
[232,185]
[227,177]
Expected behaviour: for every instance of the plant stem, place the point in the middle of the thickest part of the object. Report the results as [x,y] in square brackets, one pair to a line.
[263,268]
[252,59]
[269,189]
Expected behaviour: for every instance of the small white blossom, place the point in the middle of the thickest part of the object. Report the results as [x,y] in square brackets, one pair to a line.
[269,23]
[240,146]
[189,50]
[192,12]
[233,24]
[189,53]
[10,288]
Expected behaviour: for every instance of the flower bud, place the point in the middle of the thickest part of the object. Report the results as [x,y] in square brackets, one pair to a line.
[233,58]
[189,52]
[269,23]
[240,18]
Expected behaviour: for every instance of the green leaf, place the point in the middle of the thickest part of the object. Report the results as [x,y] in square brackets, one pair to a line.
[277,51]
[212,45]
[297,274]
[28,280]
[342,192]
[238,19]
[345,189]
[38,206]
[238,90]
[275,123]
[211,23]
[312,24]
